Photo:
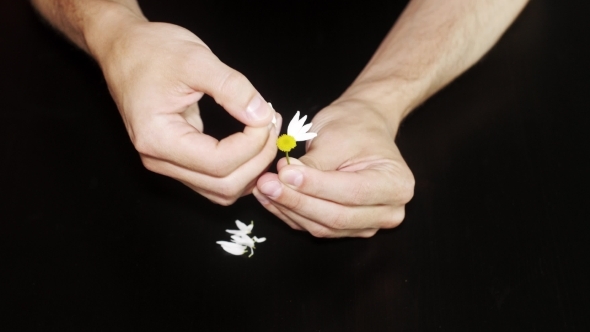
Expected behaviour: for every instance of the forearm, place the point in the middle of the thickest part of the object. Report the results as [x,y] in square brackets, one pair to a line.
[88,23]
[431,43]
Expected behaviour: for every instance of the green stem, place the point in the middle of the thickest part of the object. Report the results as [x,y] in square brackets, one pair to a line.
[287,153]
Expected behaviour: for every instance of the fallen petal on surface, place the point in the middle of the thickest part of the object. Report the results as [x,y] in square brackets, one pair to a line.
[259,240]
[244,240]
[232,248]
[243,226]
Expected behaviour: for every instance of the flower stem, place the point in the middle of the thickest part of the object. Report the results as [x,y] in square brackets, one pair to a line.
[287,153]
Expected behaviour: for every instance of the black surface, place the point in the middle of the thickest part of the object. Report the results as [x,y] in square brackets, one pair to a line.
[494,239]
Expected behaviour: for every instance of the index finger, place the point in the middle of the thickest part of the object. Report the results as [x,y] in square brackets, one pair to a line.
[181,144]
[373,186]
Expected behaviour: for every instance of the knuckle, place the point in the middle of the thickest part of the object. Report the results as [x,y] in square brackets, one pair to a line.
[395,218]
[367,233]
[406,188]
[294,226]
[220,168]
[321,232]
[228,192]
[339,221]
[295,203]
[150,164]
[224,201]
[402,190]
[143,146]
[362,193]
[232,83]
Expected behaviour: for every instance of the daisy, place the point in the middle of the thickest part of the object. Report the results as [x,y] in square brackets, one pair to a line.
[296,132]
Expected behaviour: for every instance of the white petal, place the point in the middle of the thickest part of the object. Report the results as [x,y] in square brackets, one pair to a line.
[259,240]
[244,240]
[235,231]
[243,226]
[274,117]
[294,125]
[305,136]
[232,248]
[305,128]
[298,130]
[300,123]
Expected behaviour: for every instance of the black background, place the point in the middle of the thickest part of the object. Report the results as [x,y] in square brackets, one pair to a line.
[495,237]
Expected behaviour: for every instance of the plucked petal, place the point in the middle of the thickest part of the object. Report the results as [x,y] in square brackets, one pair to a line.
[235,231]
[243,226]
[241,241]
[232,248]
[244,240]
[274,117]
[259,240]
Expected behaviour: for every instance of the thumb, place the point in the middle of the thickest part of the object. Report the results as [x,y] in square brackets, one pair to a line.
[326,152]
[232,90]
[320,159]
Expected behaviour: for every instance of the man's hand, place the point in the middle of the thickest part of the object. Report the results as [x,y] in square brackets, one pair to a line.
[157,73]
[352,181]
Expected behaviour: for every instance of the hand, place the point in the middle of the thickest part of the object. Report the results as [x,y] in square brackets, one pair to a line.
[351,182]
[157,73]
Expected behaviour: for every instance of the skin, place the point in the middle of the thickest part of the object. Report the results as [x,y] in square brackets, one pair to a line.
[355,192]
[365,186]
[156,73]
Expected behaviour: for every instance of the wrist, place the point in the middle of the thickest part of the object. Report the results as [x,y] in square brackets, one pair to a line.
[392,97]
[356,115]
[106,22]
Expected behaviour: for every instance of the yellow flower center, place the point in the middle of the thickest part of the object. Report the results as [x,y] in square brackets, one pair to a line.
[286,143]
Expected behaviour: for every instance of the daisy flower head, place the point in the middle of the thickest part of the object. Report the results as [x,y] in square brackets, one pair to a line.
[297,131]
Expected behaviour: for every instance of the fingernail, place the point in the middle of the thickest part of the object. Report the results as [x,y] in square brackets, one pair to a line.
[292,177]
[271,189]
[273,124]
[257,108]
